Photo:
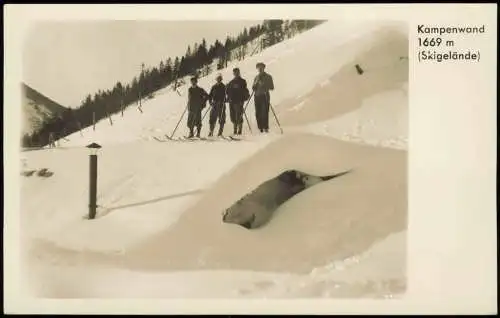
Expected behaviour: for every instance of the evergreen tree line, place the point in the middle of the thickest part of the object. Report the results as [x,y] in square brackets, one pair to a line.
[197,60]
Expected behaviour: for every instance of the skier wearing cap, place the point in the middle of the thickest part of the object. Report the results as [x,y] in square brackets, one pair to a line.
[217,99]
[262,84]
[197,100]
[237,93]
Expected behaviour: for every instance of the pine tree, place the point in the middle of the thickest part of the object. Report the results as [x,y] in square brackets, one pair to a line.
[227,51]
[274,31]
[195,49]
[168,71]
[177,64]
[87,102]
[168,64]
[119,87]
[202,55]
[218,50]
[182,66]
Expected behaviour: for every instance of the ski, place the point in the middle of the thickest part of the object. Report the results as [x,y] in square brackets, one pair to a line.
[194,139]
[187,138]
[161,139]
[214,138]
[221,138]
[158,139]
[179,139]
[166,139]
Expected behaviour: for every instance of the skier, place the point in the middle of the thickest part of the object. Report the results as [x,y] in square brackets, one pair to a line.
[197,100]
[262,84]
[237,93]
[218,102]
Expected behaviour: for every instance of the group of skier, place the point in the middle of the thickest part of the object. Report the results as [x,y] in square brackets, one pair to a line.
[236,93]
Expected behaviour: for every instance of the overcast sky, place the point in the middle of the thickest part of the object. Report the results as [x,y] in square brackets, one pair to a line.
[68,60]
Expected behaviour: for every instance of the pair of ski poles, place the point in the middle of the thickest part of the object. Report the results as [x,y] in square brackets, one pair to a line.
[248,123]
[272,109]
[182,116]
[244,113]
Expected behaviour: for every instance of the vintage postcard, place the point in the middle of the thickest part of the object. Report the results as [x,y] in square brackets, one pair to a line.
[173,154]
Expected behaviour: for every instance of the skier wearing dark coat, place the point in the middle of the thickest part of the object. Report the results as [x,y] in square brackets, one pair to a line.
[197,100]
[237,94]
[217,99]
[262,84]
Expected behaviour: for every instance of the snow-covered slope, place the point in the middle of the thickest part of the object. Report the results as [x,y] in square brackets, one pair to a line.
[159,227]
[299,66]
[378,272]
[371,124]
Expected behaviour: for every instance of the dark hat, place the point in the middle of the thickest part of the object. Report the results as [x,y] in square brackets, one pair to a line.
[194,79]
[236,70]
[260,64]
[219,76]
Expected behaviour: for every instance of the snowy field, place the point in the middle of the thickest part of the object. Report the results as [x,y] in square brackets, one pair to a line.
[158,232]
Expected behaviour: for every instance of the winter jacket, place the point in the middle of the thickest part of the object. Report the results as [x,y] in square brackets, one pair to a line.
[262,84]
[218,93]
[197,98]
[237,90]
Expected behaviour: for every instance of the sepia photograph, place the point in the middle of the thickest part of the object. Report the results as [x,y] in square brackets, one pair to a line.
[215,159]
[250,159]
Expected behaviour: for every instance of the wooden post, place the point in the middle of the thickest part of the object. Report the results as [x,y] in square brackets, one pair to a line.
[79,128]
[359,69]
[93,186]
[109,117]
[140,102]
[93,180]
[140,88]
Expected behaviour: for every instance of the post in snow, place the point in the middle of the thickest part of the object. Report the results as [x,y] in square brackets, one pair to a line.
[140,87]
[93,179]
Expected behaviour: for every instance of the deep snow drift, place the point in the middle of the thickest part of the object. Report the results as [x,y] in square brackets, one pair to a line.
[159,231]
[330,221]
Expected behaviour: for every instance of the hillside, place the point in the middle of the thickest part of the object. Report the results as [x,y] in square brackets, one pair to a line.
[37,109]
[201,59]
[159,231]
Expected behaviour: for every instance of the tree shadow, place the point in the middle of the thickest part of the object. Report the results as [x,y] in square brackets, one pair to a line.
[106,210]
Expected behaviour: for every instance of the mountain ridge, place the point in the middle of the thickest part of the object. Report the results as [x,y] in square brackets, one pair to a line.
[37,109]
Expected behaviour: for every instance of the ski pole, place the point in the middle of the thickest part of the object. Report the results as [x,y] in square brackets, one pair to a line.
[221,111]
[248,123]
[275,117]
[206,112]
[249,98]
[173,132]
[245,112]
